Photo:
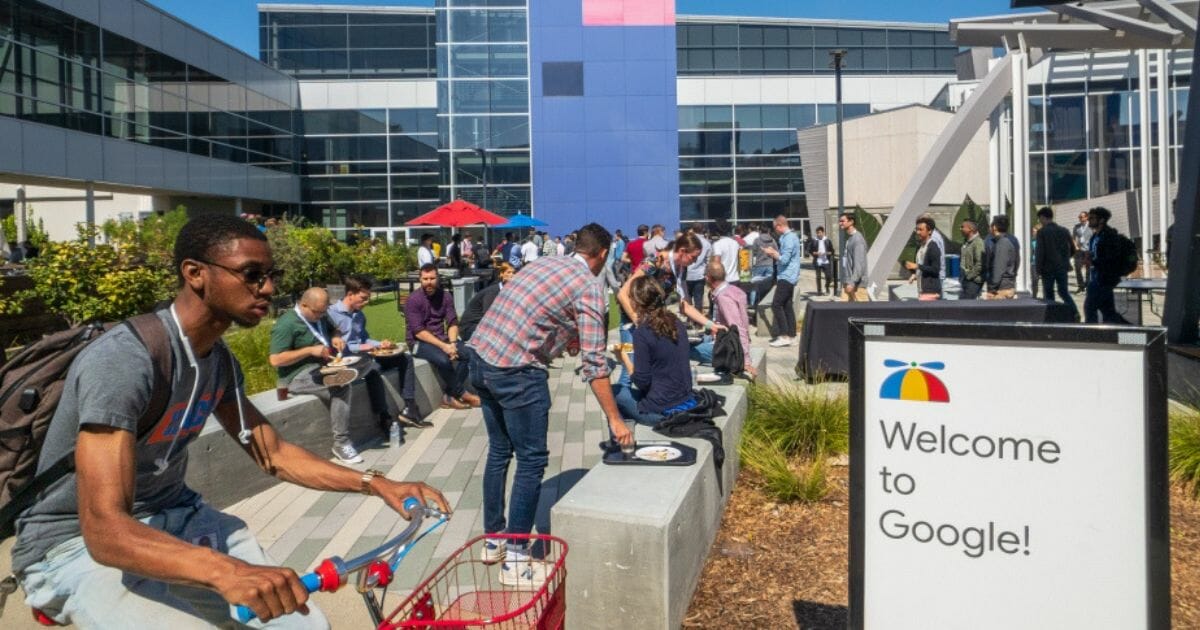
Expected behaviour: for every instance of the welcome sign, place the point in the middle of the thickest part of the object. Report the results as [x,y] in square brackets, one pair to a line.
[1008,476]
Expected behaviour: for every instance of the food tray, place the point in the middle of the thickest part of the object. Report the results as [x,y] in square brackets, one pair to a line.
[687,455]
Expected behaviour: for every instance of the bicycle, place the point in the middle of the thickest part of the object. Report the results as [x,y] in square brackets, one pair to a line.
[463,591]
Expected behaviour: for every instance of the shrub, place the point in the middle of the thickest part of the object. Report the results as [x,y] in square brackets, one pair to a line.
[1183,448]
[803,421]
[789,432]
[101,283]
[250,346]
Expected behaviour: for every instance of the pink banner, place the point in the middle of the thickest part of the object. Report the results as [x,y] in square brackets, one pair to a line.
[628,12]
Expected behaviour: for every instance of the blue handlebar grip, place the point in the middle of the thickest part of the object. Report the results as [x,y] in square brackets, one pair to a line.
[411,503]
[311,581]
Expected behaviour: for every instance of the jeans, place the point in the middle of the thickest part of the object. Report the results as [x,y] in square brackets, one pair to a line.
[970,290]
[763,278]
[1081,268]
[1098,302]
[337,398]
[627,402]
[71,587]
[453,373]
[403,363]
[516,412]
[784,324]
[1059,280]
[626,335]
[828,284]
[703,351]
[695,289]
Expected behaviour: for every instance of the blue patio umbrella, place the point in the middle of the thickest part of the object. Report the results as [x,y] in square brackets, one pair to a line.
[520,221]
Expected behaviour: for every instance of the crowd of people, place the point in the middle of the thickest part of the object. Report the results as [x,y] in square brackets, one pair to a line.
[128,512]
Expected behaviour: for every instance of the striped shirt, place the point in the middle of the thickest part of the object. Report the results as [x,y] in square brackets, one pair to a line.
[553,302]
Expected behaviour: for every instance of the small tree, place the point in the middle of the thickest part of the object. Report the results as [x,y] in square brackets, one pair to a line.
[969,211]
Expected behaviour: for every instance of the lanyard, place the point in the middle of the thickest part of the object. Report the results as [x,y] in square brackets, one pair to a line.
[315,330]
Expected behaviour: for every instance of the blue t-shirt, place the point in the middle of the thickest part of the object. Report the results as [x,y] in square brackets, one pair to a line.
[661,369]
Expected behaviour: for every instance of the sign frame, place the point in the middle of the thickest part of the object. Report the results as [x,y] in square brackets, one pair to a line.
[1154,371]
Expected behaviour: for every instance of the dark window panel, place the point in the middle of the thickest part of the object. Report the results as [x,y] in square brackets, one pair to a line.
[388,18]
[775,59]
[725,59]
[875,59]
[924,59]
[413,148]
[705,208]
[899,38]
[1067,176]
[391,62]
[801,116]
[304,18]
[699,60]
[752,59]
[699,35]
[701,143]
[310,37]
[562,78]
[706,162]
[800,36]
[775,36]
[775,116]
[874,37]
[825,36]
[800,59]
[725,35]
[1065,123]
[922,38]
[1112,171]
[750,35]
[398,36]
[849,37]
[899,59]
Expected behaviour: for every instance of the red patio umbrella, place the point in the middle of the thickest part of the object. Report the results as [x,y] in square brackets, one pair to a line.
[456,214]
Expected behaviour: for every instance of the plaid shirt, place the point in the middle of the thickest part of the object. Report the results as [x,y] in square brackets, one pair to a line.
[553,302]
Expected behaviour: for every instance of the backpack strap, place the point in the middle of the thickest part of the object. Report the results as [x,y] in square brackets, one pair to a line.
[152,332]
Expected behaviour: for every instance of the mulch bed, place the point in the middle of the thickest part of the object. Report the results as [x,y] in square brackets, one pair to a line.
[779,565]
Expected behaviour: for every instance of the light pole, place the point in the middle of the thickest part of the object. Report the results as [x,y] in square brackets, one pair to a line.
[837,57]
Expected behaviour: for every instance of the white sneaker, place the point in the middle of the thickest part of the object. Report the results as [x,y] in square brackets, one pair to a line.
[524,573]
[494,550]
[347,454]
[781,342]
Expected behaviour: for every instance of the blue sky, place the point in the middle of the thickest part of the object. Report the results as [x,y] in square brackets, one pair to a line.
[236,21]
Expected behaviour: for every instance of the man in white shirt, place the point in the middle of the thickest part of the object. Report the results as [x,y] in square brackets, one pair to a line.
[821,248]
[529,251]
[725,248]
[425,251]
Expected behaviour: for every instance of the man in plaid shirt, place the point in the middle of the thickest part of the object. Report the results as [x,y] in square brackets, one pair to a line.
[555,303]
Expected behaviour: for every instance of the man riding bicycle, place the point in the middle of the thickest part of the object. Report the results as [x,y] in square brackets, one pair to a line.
[123,542]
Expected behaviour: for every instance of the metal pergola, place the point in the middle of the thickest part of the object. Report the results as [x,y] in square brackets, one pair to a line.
[1133,25]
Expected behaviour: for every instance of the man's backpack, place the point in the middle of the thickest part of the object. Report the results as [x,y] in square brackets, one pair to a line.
[31,384]
[1124,255]
[727,354]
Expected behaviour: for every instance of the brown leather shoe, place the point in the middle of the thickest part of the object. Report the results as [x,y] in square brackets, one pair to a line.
[470,399]
[449,402]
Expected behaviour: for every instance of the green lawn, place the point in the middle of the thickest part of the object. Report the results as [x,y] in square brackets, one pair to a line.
[250,345]
[383,322]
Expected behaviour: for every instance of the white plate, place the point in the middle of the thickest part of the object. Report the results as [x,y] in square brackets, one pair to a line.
[344,361]
[708,378]
[658,453]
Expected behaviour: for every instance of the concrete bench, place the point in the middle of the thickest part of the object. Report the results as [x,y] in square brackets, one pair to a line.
[639,536]
[223,474]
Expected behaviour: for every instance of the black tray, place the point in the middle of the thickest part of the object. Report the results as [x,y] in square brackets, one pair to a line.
[688,457]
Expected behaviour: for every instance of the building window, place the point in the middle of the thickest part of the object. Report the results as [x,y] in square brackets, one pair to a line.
[562,78]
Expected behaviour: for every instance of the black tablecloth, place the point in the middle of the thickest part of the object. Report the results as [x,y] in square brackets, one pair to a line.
[825,336]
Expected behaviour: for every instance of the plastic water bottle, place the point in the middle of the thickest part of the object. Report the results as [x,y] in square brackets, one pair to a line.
[394,435]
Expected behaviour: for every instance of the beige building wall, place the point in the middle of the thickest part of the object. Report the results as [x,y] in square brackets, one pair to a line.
[883,150]
[61,209]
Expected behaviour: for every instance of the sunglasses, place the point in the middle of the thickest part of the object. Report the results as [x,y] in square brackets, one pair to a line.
[253,276]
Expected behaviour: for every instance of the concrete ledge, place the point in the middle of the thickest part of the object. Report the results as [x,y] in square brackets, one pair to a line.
[639,536]
[224,474]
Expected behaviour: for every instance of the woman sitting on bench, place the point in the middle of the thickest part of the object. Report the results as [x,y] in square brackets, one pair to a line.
[660,373]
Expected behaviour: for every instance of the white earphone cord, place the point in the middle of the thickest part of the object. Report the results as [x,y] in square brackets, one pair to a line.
[243,436]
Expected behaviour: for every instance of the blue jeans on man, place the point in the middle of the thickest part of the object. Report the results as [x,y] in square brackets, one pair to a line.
[516,413]
[1051,281]
[70,586]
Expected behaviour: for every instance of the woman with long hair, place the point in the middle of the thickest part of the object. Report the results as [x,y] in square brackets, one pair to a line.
[661,378]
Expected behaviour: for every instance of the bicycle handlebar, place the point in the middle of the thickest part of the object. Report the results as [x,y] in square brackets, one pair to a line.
[328,576]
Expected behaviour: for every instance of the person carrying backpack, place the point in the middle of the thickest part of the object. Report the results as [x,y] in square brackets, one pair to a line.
[122,541]
[1111,254]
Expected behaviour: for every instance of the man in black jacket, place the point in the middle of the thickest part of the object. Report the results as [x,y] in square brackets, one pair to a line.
[1052,258]
[821,250]
[1105,271]
[928,265]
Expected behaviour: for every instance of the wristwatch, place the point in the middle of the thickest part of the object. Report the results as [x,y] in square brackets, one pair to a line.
[367,476]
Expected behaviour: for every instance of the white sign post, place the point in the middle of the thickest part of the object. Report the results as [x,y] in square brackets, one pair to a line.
[1008,476]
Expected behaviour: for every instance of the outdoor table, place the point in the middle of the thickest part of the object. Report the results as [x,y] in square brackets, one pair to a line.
[1137,287]
[825,336]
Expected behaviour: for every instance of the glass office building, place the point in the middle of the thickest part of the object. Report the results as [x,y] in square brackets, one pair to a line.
[737,157]
[62,70]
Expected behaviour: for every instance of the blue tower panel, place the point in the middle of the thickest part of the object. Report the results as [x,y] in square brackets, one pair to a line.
[609,153]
